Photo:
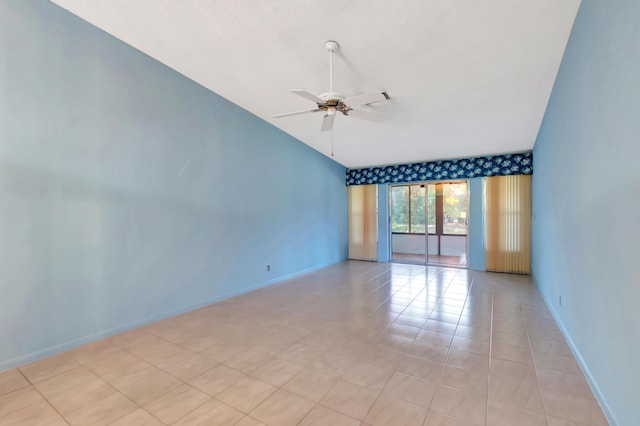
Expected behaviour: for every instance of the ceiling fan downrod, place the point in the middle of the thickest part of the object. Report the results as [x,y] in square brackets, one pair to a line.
[331,46]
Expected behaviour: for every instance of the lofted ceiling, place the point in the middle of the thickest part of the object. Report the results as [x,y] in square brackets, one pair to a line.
[466,77]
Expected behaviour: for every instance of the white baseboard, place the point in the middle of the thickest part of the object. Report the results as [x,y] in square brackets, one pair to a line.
[606,409]
[63,347]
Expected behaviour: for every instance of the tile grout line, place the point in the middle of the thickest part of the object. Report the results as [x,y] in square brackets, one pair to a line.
[376,400]
[515,305]
[437,383]
[486,415]
[77,386]
[204,372]
[177,378]
[50,404]
[100,399]
[535,366]
[191,411]
[281,386]
[394,371]
[25,377]
[444,364]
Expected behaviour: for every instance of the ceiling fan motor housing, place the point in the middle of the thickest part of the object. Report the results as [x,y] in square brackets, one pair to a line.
[333,102]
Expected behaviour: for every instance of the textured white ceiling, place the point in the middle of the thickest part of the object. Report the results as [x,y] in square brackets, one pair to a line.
[466,77]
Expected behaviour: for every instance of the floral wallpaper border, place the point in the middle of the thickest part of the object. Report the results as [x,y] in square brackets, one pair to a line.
[463,168]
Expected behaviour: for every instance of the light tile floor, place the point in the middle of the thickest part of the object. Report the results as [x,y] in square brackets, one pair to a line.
[353,344]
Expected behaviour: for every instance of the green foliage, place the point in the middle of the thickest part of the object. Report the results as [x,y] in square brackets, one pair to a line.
[400,209]
[408,208]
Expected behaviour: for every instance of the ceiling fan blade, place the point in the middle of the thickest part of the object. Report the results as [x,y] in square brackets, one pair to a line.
[307,95]
[289,114]
[327,122]
[365,99]
[365,115]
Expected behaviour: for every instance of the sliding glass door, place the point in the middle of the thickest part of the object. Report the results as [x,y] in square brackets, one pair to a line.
[450,208]
[408,207]
[429,223]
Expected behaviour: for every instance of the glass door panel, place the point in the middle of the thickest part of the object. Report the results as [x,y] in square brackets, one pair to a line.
[417,209]
[400,209]
[408,223]
[455,208]
[447,242]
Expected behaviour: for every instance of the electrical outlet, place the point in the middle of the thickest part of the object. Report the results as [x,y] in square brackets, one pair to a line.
[560,300]
[268,268]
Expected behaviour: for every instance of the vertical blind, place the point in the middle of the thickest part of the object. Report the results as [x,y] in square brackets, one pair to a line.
[363,227]
[508,223]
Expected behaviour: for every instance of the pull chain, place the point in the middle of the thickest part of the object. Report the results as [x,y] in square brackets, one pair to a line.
[331,89]
[332,142]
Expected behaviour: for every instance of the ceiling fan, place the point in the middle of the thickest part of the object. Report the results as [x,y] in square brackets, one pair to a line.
[332,102]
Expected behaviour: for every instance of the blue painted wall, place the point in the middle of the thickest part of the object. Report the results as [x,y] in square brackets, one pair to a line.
[477,252]
[383,223]
[129,193]
[586,201]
